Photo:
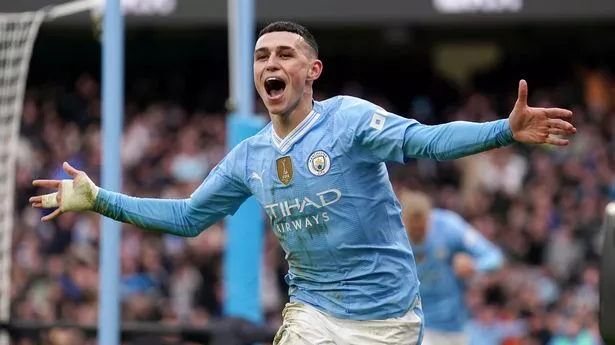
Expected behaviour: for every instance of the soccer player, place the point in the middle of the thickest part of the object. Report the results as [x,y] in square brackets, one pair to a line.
[318,169]
[448,251]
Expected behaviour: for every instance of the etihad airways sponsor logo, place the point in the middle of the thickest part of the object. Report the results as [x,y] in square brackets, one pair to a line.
[303,212]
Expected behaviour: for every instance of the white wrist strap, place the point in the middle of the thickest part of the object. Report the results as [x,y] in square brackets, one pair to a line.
[73,200]
[50,200]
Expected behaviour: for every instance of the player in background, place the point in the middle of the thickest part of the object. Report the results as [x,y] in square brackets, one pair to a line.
[318,169]
[448,251]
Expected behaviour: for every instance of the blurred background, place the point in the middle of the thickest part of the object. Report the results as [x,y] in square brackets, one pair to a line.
[433,60]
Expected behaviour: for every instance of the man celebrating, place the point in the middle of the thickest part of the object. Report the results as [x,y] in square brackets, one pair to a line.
[318,170]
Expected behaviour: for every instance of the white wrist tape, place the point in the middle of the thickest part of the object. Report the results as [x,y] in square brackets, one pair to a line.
[76,196]
[50,200]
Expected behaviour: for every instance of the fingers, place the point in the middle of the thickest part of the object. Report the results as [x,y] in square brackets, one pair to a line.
[522,95]
[556,141]
[560,124]
[51,200]
[47,183]
[52,215]
[557,131]
[557,113]
[70,170]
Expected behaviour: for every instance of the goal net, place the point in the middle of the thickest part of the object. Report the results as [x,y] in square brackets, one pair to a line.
[17,35]
[18,32]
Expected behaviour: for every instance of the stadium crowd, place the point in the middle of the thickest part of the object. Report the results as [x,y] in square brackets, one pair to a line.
[543,207]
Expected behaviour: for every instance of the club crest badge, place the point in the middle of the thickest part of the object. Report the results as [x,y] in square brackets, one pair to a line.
[319,163]
[284,166]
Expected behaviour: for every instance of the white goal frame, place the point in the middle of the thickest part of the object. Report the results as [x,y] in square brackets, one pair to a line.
[15,55]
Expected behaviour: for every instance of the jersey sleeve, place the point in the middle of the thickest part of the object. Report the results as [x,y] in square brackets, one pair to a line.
[376,134]
[384,136]
[456,139]
[221,194]
[467,239]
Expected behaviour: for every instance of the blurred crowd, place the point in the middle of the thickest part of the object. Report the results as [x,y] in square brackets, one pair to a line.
[542,206]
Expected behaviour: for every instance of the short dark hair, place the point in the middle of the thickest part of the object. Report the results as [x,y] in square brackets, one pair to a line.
[284,26]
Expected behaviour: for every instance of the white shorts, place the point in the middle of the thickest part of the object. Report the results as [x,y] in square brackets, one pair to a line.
[444,338]
[306,325]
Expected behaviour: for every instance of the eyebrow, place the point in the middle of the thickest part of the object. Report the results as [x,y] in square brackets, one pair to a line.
[278,48]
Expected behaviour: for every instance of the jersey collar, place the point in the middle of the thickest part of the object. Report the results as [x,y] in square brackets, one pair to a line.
[284,144]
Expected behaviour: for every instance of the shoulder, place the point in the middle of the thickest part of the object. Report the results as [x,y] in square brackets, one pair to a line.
[351,116]
[447,219]
[258,140]
[457,229]
[347,107]
[445,215]
[251,146]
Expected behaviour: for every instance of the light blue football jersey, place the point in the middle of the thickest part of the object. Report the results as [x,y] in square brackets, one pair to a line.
[326,190]
[442,291]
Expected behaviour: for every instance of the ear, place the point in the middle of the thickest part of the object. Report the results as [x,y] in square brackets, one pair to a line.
[315,70]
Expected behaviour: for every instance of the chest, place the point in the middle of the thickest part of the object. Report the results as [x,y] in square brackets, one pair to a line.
[432,255]
[300,181]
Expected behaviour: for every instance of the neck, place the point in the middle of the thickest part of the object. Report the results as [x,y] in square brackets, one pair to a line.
[283,124]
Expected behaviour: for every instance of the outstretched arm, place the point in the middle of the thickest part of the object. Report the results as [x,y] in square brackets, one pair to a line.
[385,136]
[455,139]
[458,139]
[219,195]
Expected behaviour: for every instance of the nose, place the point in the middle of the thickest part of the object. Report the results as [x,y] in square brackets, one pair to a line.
[272,68]
[272,65]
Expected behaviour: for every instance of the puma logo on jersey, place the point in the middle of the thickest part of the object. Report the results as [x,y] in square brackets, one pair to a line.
[257,177]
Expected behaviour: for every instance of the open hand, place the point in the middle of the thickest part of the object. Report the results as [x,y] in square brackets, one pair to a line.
[78,194]
[539,125]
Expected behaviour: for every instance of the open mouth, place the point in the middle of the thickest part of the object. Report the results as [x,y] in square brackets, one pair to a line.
[274,87]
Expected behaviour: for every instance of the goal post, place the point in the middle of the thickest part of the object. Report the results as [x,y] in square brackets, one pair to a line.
[18,32]
[17,35]
[109,315]
[245,230]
